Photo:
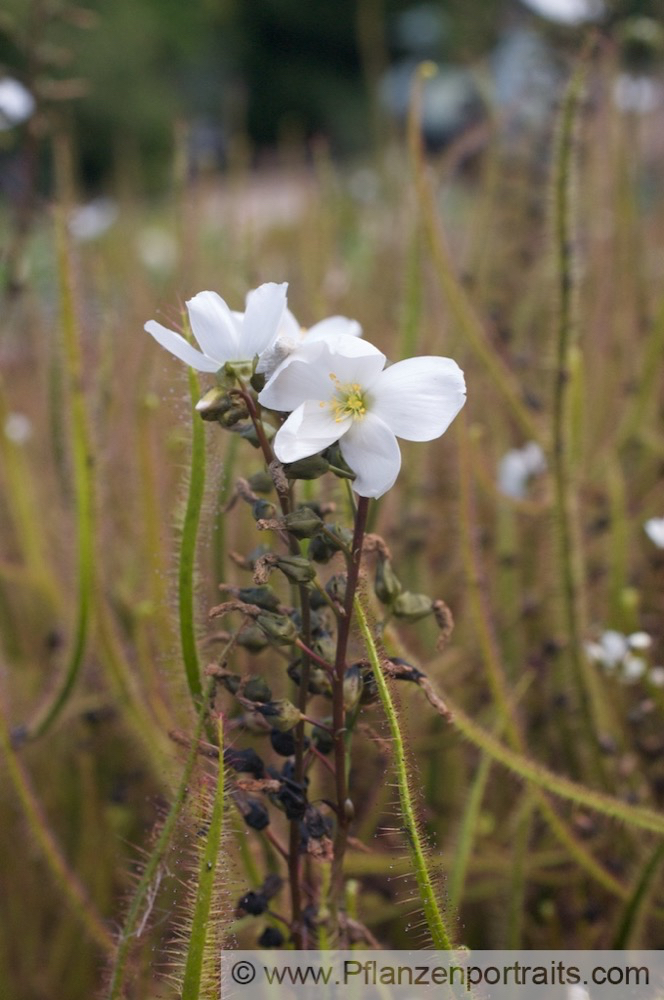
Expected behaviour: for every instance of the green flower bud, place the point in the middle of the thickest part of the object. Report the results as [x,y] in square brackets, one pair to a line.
[336,587]
[214,403]
[319,682]
[369,687]
[253,638]
[325,646]
[229,418]
[263,597]
[263,509]
[232,682]
[323,740]
[386,584]
[261,482]
[302,523]
[307,468]
[412,607]
[256,689]
[282,714]
[248,432]
[279,629]
[322,547]
[352,687]
[297,569]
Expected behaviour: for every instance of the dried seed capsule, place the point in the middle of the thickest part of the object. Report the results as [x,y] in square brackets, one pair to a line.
[263,597]
[302,523]
[307,468]
[263,509]
[323,740]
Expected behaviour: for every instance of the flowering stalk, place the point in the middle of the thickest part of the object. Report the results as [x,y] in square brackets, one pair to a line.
[344,803]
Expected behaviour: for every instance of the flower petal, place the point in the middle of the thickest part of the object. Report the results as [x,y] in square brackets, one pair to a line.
[332,327]
[419,398]
[294,382]
[213,326]
[262,318]
[311,428]
[319,366]
[178,346]
[372,452]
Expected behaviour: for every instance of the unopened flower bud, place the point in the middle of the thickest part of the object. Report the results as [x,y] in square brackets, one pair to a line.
[307,468]
[255,815]
[256,689]
[352,687]
[297,569]
[284,743]
[214,403]
[302,523]
[319,682]
[232,682]
[336,587]
[271,938]
[244,761]
[386,585]
[253,638]
[282,714]
[412,607]
[261,482]
[323,740]
[322,546]
[279,629]
[263,509]
[263,597]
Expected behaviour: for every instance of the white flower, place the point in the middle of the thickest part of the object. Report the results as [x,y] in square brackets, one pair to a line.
[656,676]
[340,390]
[633,668]
[88,222]
[16,103]
[292,336]
[18,428]
[639,640]
[610,650]
[517,466]
[637,94]
[654,529]
[567,11]
[223,335]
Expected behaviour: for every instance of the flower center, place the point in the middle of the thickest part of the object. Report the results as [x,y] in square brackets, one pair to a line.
[349,401]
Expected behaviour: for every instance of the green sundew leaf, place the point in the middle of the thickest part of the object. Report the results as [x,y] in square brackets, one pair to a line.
[83,485]
[638,899]
[198,939]
[187,562]
[434,918]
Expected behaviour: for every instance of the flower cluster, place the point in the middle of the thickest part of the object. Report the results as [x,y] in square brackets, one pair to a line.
[333,385]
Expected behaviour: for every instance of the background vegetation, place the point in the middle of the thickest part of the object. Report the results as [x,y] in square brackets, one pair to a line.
[537,265]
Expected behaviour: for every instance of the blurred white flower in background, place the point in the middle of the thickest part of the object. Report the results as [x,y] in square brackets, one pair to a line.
[18,428]
[89,222]
[637,94]
[654,529]
[16,103]
[567,11]
[625,656]
[157,248]
[517,467]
